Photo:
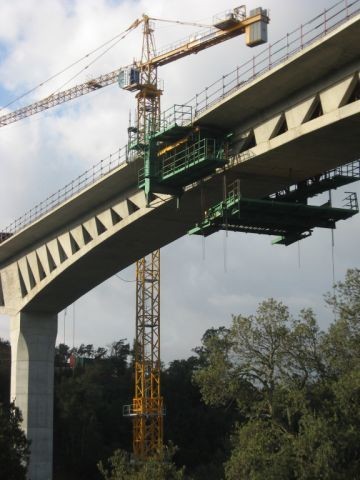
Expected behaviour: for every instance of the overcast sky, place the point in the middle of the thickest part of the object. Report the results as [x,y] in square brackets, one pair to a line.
[202,283]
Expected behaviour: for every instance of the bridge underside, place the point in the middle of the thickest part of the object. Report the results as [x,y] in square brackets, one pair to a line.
[297,154]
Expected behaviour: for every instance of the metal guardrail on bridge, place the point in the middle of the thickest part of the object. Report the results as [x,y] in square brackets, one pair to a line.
[273,55]
[89,177]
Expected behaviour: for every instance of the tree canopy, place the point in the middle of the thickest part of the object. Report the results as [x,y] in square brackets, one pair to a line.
[296,387]
[14,448]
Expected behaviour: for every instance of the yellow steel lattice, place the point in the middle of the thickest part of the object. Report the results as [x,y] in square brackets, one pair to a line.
[148,402]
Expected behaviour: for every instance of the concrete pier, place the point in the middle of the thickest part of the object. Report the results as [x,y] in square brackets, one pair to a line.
[33,338]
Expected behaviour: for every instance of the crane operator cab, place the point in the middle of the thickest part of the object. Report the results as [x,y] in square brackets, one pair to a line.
[129,78]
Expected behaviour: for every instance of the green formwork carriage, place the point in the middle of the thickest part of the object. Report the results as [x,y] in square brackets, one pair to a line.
[186,165]
[179,153]
[291,221]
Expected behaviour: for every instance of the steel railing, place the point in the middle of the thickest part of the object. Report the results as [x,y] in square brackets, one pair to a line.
[351,201]
[275,54]
[97,171]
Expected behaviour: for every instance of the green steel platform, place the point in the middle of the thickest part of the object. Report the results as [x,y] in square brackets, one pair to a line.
[185,165]
[291,221]
[329,180]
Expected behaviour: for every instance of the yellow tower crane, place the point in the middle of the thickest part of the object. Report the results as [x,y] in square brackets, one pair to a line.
[147,409]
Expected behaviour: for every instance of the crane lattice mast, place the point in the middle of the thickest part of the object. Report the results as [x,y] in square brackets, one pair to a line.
[147,408]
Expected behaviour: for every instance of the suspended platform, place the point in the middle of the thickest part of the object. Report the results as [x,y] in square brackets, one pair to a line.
[291,221]
[180,154]
[185,165]
[329,180]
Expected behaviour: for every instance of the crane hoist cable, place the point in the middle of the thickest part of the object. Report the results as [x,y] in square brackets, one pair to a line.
[192,24]
[91,63]
[116,39]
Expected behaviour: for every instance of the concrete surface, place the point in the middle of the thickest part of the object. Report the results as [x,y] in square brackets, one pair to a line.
[33,338]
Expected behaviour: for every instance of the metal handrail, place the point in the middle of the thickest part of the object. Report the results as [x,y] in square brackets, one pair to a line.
[188,156]
[351,201]
[97,171]
[271,56]
[179,115]
[275,54]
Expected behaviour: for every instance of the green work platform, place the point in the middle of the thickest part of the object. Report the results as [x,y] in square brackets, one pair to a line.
[329,180]
[291,221]
[187,165]
[179,153]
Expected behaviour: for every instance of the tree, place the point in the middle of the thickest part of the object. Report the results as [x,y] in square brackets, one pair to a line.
[261,450]
[14,447]
[88,420]
[122,468]
[266,363]
[257,355]
[199,431]
[5,365]
[342,343]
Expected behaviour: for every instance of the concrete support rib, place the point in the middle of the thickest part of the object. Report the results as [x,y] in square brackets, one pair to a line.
[33,338]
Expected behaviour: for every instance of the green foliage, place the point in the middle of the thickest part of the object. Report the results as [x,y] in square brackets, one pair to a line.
[296,388]
[259,354]
[14,448]
[260,450]
[217,379]
[201,432]
[342,345]
[88,421]
[5,362]
[121,467]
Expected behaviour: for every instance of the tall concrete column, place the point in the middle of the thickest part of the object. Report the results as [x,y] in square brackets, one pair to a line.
[33,338]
